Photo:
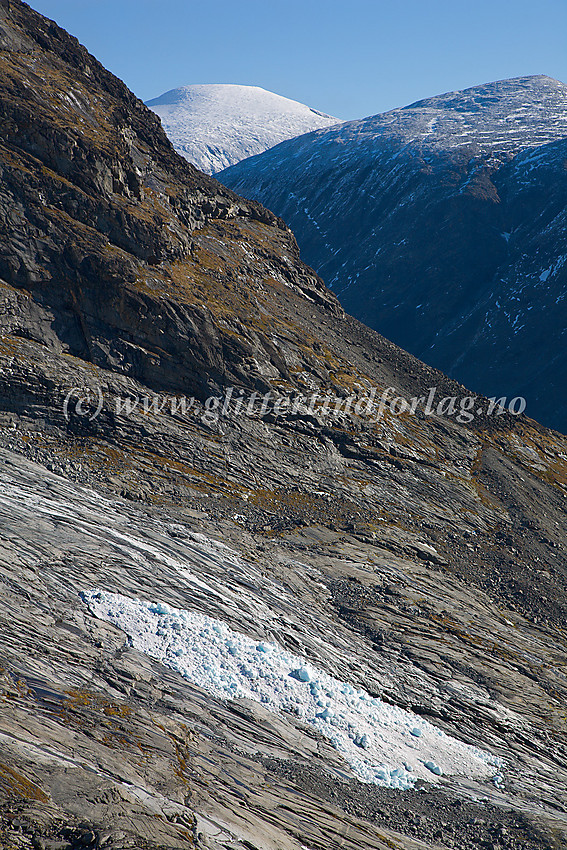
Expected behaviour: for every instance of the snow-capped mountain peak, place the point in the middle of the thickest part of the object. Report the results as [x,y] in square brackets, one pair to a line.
[217,125]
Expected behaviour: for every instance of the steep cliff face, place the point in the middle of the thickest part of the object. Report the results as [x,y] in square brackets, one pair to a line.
[442,225]
[415,563]
[114,234]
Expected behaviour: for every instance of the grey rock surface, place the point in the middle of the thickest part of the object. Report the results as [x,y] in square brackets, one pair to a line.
[127,746]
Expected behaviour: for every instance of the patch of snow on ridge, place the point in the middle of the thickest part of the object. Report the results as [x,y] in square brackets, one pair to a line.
[383,744]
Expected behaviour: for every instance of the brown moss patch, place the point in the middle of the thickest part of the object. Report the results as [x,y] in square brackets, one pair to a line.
[17,787]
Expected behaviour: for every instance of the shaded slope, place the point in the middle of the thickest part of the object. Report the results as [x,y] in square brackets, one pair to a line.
[443,225]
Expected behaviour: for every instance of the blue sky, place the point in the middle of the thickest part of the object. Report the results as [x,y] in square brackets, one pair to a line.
[350,59]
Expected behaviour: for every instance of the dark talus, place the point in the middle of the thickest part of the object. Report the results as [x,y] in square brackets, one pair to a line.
[420,558]
[443,225]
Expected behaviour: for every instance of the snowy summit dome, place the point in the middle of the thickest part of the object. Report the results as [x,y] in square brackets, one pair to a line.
[214,126]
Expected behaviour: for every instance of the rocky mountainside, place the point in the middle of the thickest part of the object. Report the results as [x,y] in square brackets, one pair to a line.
[215,126]
[443,225]
[292,627]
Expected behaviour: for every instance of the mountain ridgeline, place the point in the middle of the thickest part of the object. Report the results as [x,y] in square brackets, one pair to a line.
[444,226]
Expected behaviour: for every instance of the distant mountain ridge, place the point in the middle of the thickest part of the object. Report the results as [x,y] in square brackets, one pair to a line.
[215,126]
[443,225]
[502,117]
